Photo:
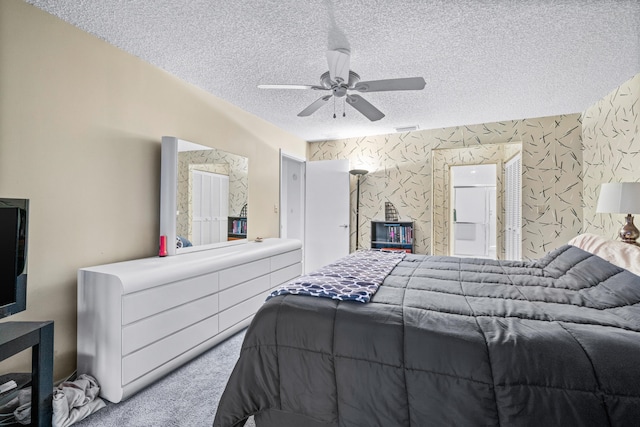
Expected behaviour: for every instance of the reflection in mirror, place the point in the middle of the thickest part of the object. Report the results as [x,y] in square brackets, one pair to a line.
[203,196]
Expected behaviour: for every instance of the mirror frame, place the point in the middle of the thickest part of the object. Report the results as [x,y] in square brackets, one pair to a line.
[169,202]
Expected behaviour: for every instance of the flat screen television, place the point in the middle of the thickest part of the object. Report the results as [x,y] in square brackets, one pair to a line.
[14,214]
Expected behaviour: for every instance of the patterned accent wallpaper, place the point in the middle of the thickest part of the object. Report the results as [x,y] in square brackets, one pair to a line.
[400,171]
[215,161]
[611,134]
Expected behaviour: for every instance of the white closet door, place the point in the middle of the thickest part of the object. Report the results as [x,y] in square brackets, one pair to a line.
[210,207]
[513,208]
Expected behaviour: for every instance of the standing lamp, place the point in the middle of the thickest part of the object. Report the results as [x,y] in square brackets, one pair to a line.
[621,197]
[358,173]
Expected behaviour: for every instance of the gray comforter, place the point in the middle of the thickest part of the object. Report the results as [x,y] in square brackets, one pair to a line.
[450,341]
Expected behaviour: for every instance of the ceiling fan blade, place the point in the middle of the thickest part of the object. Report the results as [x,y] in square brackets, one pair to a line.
[338,60]
[292,87]
[364,107]
[314,106]
[409,83]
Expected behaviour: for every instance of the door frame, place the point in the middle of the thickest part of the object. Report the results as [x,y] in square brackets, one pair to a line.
[441,159]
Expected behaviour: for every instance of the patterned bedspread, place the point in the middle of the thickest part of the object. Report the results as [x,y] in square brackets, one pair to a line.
[355,277]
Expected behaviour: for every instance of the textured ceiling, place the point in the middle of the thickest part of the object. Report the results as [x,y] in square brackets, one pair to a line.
[483,60]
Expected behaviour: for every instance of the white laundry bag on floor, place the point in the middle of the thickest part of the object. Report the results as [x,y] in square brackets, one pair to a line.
[72,401]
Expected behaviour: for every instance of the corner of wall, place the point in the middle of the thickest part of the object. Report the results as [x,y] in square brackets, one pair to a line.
[611,151]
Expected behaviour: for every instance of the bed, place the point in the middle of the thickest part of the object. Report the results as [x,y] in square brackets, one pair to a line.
[449,341]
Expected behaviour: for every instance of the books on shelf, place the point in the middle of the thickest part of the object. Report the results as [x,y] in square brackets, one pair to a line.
[392,235]
[399,234]
[239,226]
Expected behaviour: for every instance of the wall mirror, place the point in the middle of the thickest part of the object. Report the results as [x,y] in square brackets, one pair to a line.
[203,196]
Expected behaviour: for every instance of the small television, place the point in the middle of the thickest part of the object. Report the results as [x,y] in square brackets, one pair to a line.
[14,214]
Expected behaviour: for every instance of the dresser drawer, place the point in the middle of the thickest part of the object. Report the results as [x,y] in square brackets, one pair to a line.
[285,274]
[151,357]
[286,259]
[237,294]
[146,303]
[241,311]
[147,331]
[241,273]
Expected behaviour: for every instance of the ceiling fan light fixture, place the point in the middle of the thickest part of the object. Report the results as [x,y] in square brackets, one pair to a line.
[339,91]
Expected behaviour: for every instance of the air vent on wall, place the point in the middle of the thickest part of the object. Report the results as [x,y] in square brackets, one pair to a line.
[407,129]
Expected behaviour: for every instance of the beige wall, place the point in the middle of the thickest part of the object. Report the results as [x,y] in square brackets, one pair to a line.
[611,133]
[400,171]
[80,129]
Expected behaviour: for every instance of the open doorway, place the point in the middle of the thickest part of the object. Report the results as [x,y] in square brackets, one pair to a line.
[473,211]
[314,208]
[442,193]
[292,195]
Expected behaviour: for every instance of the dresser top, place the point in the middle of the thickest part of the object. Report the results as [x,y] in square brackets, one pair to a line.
[142,273]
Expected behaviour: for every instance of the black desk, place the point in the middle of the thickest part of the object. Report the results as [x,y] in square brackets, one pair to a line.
[18,336]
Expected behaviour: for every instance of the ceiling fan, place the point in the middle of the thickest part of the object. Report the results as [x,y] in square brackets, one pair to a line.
[341,82]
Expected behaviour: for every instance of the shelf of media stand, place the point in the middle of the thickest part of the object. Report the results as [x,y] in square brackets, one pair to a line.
[397,235]
[38,336]
[237,228]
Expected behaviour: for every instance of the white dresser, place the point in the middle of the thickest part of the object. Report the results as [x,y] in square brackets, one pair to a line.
[139,320]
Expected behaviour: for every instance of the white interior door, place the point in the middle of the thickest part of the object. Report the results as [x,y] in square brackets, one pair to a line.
[210,207]
[326,213]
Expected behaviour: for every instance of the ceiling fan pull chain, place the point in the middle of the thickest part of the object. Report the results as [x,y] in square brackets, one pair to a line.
[344,107]
[334,107]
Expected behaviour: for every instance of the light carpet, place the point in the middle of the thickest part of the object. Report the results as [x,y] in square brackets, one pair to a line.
[188,397]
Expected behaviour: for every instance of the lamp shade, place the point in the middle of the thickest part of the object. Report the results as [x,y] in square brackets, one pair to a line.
[619,197]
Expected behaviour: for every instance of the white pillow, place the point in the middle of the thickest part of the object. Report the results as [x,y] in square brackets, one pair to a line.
[624,255]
